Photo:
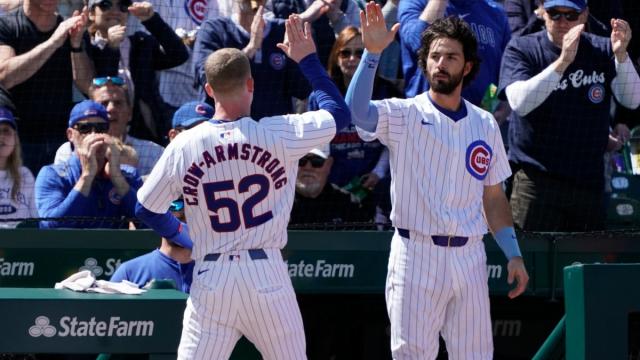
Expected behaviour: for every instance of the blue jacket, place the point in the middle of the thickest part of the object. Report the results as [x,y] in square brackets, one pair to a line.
[488,22]
[158,266]
[55,197]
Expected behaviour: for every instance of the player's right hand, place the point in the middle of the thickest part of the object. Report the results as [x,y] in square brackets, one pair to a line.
[298,41]
[518,272]
[375,35]
[87,154]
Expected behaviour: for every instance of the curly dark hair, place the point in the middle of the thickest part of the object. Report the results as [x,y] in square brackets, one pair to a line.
[455,28]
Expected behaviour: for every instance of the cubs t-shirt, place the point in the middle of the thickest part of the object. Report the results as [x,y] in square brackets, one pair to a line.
[567,134]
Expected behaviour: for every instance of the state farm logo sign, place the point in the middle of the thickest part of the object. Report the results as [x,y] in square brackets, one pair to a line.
[71,326]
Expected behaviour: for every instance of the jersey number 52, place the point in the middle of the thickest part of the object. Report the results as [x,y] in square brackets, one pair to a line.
[235,221]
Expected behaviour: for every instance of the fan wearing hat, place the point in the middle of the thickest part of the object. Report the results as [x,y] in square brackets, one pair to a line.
[16,181]
[133,59]
[94,182]
[318,201]
[559,83]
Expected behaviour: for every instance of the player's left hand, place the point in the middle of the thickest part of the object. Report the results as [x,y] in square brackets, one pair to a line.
[298,42]
[517,272]
[142,10]
[620,37]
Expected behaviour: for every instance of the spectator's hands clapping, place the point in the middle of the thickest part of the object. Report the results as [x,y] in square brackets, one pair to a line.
[375,35]
[570,43]
[142,10]
[63,30]
[257,30]
[315,10]
[114,155]
[115,35]
[87,152]
[79,27]
[620,37]
[298,42]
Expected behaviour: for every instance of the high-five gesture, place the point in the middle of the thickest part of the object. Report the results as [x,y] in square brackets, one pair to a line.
[620,37]
[375,35]
[298,41]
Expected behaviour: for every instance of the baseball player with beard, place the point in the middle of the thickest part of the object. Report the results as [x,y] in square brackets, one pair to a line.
[447,167]
[237,177]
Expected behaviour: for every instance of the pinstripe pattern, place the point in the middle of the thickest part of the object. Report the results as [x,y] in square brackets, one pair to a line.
[437,185]
[238,296]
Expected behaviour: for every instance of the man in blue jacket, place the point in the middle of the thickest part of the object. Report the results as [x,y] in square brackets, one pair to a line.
[93,183]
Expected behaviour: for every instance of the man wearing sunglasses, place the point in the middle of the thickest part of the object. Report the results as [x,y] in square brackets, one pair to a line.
[560,83]
[111,93]
[93,183]
[41,57]
[320,202]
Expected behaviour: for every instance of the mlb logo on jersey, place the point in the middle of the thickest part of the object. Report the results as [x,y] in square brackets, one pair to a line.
[226,135]
[196,9]
[478,159]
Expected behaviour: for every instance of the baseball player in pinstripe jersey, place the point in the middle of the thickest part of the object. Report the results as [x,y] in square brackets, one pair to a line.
[447,166]
[237,177]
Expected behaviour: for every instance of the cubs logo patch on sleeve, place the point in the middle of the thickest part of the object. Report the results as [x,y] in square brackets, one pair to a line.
[478,159]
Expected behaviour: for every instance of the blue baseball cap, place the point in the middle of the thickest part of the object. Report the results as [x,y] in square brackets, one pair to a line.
[191,113]
[578,5]
[87,109]
[6,116]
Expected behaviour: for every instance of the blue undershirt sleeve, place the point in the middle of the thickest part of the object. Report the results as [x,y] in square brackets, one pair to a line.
[326,93]
[166,225]
[364,114]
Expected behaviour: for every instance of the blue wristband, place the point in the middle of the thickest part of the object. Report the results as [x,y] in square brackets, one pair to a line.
[506,239]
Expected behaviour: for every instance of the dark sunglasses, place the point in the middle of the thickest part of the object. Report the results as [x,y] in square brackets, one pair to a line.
[555,15]
[315,161]
[102,81]
[347,53]
[105,5]
[86,128]
[177,205]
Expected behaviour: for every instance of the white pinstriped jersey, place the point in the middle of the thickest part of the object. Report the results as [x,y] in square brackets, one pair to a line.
[237,178]
[429,194]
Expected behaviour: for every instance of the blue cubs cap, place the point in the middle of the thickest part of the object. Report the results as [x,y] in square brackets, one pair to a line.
[578,5]
[87,109]
[6,117]
[191,113]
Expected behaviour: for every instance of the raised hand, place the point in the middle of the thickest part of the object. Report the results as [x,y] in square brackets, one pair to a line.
[375,35]
[298,41]
[116,34]
[79,27]
[59,36]
[142,10]
[315,10]
[570,43]
[620,37]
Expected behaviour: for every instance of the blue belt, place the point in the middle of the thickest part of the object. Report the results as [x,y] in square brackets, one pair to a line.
[440,240]
[254,254]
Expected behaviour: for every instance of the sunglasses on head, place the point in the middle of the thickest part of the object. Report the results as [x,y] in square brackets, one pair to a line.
[315,161]
[347,53]
[86,128]
[102,81]
[555,15]
[105,5]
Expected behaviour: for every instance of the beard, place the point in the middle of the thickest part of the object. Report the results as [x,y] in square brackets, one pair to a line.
[445,87]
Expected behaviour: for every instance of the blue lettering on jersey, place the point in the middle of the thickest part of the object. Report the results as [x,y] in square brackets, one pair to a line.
[478,159]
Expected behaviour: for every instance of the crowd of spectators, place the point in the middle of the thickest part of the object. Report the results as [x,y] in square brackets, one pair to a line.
[561,80]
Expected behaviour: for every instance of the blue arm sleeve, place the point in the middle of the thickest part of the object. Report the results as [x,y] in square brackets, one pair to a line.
[166,225]
[365,115]
[411,27]
[57,198]
[327,94]
[506,239]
